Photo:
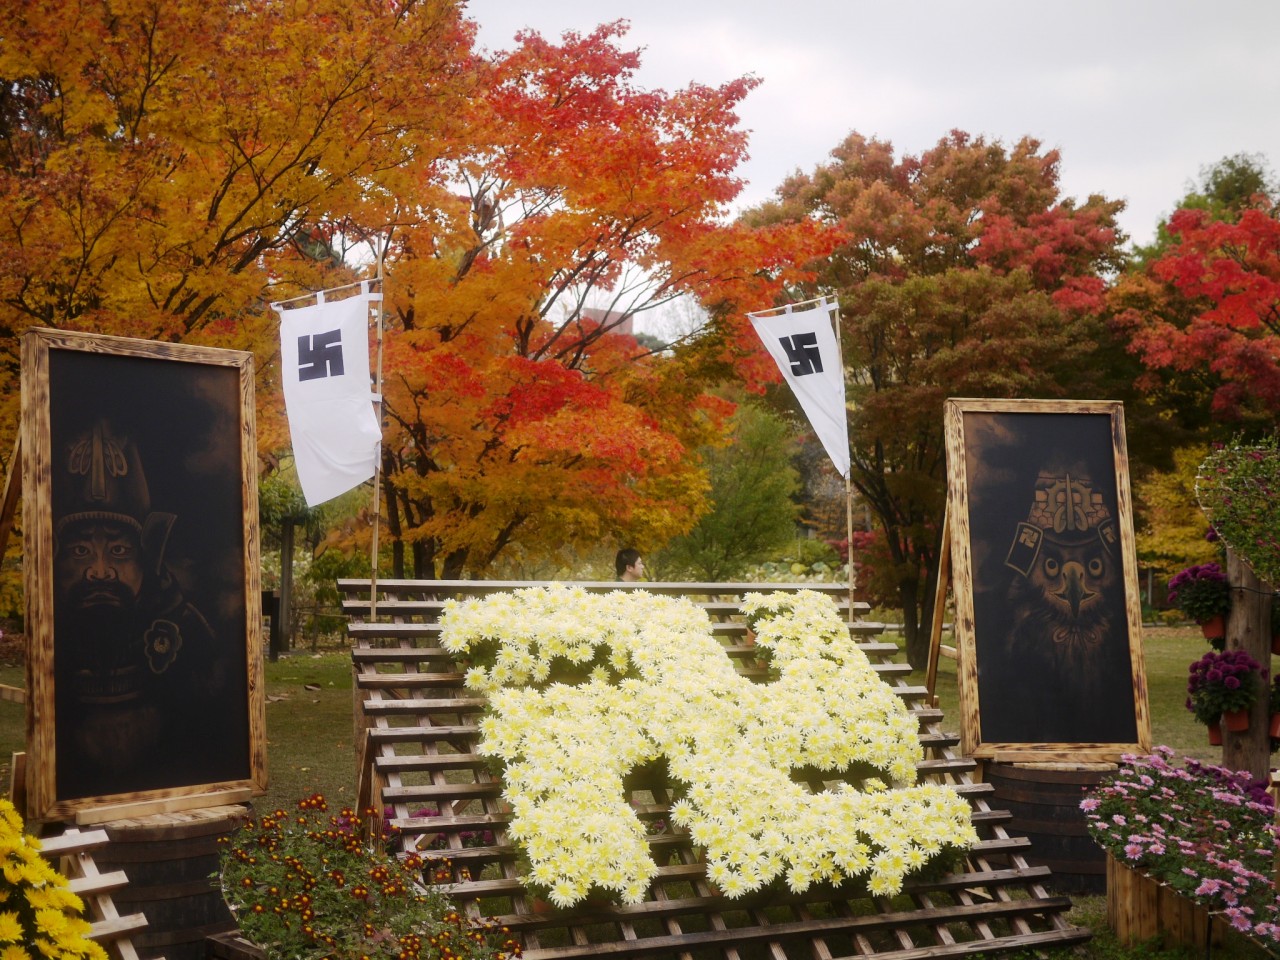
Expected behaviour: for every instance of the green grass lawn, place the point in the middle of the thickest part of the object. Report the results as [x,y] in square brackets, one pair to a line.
[310,746]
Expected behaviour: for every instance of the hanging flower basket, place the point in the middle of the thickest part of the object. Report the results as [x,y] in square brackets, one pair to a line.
[1237,489]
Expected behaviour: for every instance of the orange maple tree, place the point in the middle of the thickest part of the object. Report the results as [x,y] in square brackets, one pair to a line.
[518,415]
[166,164]
[168,168]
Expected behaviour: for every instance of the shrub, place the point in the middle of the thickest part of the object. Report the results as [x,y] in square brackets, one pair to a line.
[309,886]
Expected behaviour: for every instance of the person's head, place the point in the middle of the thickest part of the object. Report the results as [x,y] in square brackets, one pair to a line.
[629,565]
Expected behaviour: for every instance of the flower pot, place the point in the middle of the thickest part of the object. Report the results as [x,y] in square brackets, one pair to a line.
[1140,909]
[1275,643]
[1214,627]
[1215,735]
[1237,721]
[1273,730]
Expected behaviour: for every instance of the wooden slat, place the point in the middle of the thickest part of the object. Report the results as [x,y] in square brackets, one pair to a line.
[102,883]
[73,841]
[408,681]
[105,931]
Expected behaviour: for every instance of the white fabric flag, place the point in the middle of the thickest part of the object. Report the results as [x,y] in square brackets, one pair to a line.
[324,361]
[803,345]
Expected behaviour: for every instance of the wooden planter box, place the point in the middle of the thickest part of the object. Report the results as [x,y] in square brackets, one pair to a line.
[1140,909]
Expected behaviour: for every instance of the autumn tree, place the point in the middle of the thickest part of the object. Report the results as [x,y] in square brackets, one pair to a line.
[1197,309]
[164,165]
[168,168]
[1223,190]
[965,274]
[1206,315]
[1172,532]
[752,483]
[518,411]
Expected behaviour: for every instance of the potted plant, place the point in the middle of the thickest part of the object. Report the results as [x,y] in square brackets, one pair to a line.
[1160,819]
[312,885]
[1222,686]
[1202,593]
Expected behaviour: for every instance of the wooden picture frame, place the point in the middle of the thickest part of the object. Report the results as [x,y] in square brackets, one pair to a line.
[1048,618]
[143,605]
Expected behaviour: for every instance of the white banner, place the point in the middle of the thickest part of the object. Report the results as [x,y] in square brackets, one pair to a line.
[803,345]
[324,363]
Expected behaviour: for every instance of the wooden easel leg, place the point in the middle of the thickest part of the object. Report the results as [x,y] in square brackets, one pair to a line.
[939,607]
[18,783]
[12,487]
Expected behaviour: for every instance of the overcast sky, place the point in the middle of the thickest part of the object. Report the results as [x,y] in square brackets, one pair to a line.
[1137,96]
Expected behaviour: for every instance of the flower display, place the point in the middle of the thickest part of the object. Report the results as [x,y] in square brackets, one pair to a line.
[1239,491]
[1222,683]
[309,885]
[1207,832]
[39,915]
[651,681]
[1201,592]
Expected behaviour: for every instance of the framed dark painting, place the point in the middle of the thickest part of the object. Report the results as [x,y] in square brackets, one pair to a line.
[140,528]
[1048,616]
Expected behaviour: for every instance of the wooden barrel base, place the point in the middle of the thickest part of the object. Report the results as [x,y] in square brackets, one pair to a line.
[171,861]
[1045,804]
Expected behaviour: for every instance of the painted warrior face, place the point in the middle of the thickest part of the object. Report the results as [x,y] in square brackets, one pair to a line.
[99,565]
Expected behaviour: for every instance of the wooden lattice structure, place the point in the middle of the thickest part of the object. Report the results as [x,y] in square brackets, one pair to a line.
[72,854]
[418,736]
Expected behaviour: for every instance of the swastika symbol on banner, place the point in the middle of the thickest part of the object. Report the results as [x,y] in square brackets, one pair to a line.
[802,350]
[320,355]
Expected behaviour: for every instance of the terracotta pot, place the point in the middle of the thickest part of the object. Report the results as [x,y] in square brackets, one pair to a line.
[1237,721]
[1275,643]
[1274,730]
[1214,627]
[1215,735]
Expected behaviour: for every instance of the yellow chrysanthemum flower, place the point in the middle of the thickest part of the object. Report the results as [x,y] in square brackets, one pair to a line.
[10,927]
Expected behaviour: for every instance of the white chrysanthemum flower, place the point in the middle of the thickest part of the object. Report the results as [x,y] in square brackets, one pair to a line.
[731,743]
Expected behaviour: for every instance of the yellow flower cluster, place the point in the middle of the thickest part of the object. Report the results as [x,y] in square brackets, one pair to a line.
[658,684]
[39,916]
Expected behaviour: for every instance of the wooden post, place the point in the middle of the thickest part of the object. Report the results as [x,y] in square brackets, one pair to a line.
[286,584]
[1249,629]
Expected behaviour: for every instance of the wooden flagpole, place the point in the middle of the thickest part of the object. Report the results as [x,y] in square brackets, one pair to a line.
[377,464]
[848,477]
